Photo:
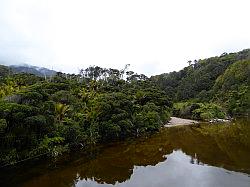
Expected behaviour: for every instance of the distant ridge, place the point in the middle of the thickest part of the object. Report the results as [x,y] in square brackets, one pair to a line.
[39,71]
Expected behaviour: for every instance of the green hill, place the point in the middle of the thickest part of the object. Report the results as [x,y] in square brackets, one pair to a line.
[232,90]
[4,71]
[213,79]
[199,77]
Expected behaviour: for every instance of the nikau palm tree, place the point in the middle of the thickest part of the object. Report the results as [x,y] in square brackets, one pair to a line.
[60,111]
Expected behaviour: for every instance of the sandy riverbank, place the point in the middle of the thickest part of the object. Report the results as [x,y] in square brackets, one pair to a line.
[180,121]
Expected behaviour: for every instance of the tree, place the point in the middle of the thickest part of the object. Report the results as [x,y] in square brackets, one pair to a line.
[60,111]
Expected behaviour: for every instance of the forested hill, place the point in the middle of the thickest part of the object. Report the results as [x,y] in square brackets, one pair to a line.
[223,79]
[14,69]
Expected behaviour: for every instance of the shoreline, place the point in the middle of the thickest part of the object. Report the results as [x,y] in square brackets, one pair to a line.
[174,121]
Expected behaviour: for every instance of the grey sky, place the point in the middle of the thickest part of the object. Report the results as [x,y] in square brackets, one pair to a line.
[153,36]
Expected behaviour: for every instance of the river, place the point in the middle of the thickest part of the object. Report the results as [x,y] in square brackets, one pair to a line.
[198,155]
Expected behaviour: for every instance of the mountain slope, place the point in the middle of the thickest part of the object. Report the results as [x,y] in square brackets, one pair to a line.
[197,80]
[39,71]
[223,80]
[232,89]
[4,71]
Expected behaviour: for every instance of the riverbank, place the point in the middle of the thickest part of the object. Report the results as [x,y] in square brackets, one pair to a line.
[174,121]
[168,155]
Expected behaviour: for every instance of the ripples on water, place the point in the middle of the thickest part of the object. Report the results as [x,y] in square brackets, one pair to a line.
[207,155]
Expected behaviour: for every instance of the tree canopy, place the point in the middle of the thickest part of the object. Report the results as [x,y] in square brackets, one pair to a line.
[46,116]
[50,116]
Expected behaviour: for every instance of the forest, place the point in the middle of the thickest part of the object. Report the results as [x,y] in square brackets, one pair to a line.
[46,116]
[209,88]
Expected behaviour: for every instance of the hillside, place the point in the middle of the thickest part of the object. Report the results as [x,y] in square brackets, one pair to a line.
[232,89]
[15,69]
[199,77]
[39,71]
[209,79]
[4,71]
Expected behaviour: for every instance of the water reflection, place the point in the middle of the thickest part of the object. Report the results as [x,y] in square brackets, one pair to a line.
[182,156]
[177,171]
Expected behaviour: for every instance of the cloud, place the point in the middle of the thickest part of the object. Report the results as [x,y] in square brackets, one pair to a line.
[153,36]
[23,32]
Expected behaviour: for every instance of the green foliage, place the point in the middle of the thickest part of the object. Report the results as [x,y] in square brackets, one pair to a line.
[52,146]
[68,112]
[14,83]
[48,117]
[208,111]
[198,111]
[60,111]
[198,76]
[223,80]
[4,71]
[232,88]
[3,126]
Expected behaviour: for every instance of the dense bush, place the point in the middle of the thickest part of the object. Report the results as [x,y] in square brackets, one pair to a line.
[232,89]
[223,80]
[198,111]
[47,118]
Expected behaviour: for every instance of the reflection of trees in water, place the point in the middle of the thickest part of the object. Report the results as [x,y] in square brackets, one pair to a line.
[116,164]
[212,145]
[226,146]
[195,160]
[202,144]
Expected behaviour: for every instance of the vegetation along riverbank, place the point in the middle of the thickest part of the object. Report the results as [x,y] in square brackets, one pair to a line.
[44,116]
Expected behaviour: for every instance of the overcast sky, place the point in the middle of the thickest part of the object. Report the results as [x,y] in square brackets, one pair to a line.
[153,36]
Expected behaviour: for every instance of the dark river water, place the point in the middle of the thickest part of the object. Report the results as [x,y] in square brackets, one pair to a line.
[203,155]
